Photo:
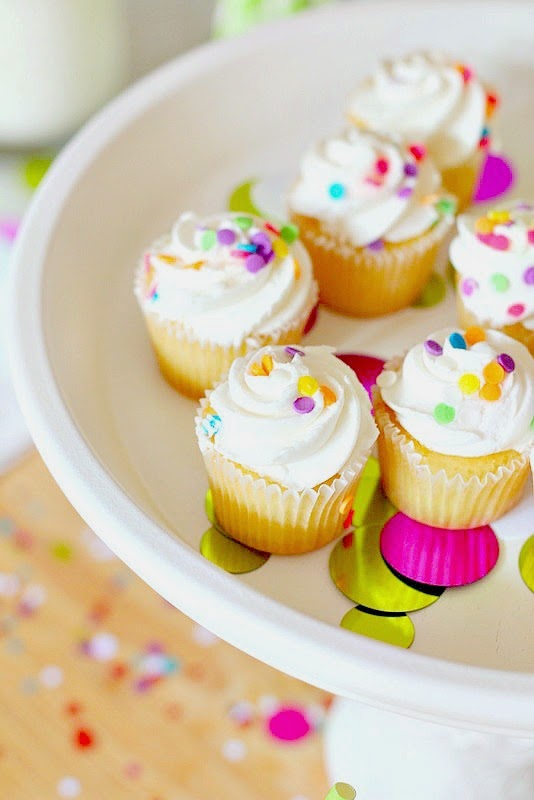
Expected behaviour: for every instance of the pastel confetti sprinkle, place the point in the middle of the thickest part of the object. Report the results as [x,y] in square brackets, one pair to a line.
[474,334]
[469,383]
[494,240]
[444,414]
[528,276]
[62,551]
[289,233]
[468,286]
[226,236]
[457,341]
[234,750]
[84,738]
[433,347]
[446,205]
[410,170]
[382,166]
[490,392]
[506,362]
[493,372]
[500,282]
[244,223]
[307,385]
[9,227]
[51,676]
[103,646]
[329,398]
[254,263]
[336,191]
[516,310]
[293,351]
[405,192]
[530,237]
[208,240]
[289,724]
[377,245]
[304,405]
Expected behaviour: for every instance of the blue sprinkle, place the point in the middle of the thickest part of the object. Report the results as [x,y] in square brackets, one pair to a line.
[336,191]
[457,341]
[211,424]
[485,133]
[248,248]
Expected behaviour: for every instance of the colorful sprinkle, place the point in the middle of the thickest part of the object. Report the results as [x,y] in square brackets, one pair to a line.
[272,228]
[377,245]
[208,240]
[254,263]
[457,341]
[69,787]
[506,362]
[244,223]
[469,383]
[530,236]
[493,372]
[483,225]
[528,276]
[382,166]
[516,310]
[474,334]
[307,385]
[466,72]
[84,738]
[410,170]
[468,286]
[336,191]
[492,102]
[446,205]
[294,351]
[405,192]
[246,247]
[289,233]
[498,216]
[433,347]
[226,236]
[418,151]
[211,424]
[267,364]
[444,414]
[494,240]
[304,405]
[490,392]
[500,282]
[280,248]
[329,397]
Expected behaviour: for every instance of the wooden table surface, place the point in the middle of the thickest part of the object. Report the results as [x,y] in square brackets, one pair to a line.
[108,693]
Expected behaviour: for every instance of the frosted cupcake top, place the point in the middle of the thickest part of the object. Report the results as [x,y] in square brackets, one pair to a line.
[298,416]
[428,98]
[227,278]
[464,394]
[494,256]
[370,189]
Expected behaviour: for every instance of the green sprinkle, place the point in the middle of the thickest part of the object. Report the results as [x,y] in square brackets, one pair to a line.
[446,205]
[289,233]
[500,282]
[444,413]
[244,223]
[208,239]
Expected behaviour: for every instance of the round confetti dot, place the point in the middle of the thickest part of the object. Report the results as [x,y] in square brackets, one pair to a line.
[516,310]
[83,738]
[405,192]
[410,170]
[242,713]
[506,362]
[490,392]
[446,205]
[337,191]
[294,351]
[483,225]
[526,563]
[62,551]
[469,383]
[233,557]
[528,276]
[468,286]
[9,584]
[289,233]
[418,151]
[254,263]
[51,676]
[493,372]
[474,334]
[68,787]
[289,724]
[395,629]
[329,398]
[208,240]
[498,216]
[244,223]
[307,385]
[280,248]
[103,646]
[382,166]
[500,282]
[234,750]
[444,414]
[457,341]
[433,347]
[304,405]
[226,236]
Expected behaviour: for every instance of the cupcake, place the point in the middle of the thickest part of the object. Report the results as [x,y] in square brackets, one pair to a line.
[218,287]
[456,427]
[493,255]
[284,438]
[434,104]
[372,215]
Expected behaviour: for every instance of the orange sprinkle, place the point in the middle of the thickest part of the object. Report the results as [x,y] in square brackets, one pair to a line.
[267,364]
[167,258]
[483,225]
[490,392]
[346,504]
[297,269]
[328,395]
[195,265]
[493,372]
[474,334]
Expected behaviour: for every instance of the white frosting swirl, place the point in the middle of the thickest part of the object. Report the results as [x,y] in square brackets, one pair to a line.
[425,97]
[212,293]
[261,429]
[367,188]
[496,268]
[427,384]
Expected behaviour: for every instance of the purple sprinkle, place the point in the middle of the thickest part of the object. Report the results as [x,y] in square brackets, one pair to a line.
[303,405]
[410,170]
[469,285]
[226,236]
[254,262]
[506,362]
[261,240]
[378,244]
[433,347]
[294,351]
[528,275]
[405,192]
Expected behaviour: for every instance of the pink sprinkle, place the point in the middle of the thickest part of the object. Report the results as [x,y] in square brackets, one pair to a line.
[494,240]
[531,237]
[418,151]
[289,725]
[382,166]
[239,253]
[517,310]
[373,181]
[469,285]
[467,74]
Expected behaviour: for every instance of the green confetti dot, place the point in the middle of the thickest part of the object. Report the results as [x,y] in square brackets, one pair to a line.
[62,551]
[446,205]
[341,791]
[444,414]
[244,223]
[208,239]
[34,170]
[500,282]
[289,233]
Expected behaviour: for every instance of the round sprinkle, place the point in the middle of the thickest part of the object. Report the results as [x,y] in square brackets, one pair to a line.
[382,166]
[494,240]
[226,236]
[474,334]
[410,170]
[500,282]
[493,372]
[293,351]
[516,310]
[336,191]
[506,362]
[528,276]
[446,205]
[444,414]
[303,405]
[433,347]
[457,341]
[244,223]
[307,385]
[405,192]
[329,397]
[289,233]
[498,216]
[483,225]
[490,392]
[280,248]
[254,263]
[469,383]
[468,286]
[208,239]
[261,240]
[377,245]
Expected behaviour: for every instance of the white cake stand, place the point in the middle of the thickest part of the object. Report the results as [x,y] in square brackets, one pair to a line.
[453,716]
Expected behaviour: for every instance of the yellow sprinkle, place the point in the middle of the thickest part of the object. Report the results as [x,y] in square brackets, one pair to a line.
[267,364]
[297,269]
[328,395]
[469,383]
[474,334]
[167,258]
[280,248]
[209,410]
[346,504]
[307,385]
[483,225]
[493,372]
[490,392]
[498,217]
[257,370]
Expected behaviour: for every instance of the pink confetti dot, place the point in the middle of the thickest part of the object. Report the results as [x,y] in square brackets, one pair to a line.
[469,285]
[516,310]
[288,725]
[494,240]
